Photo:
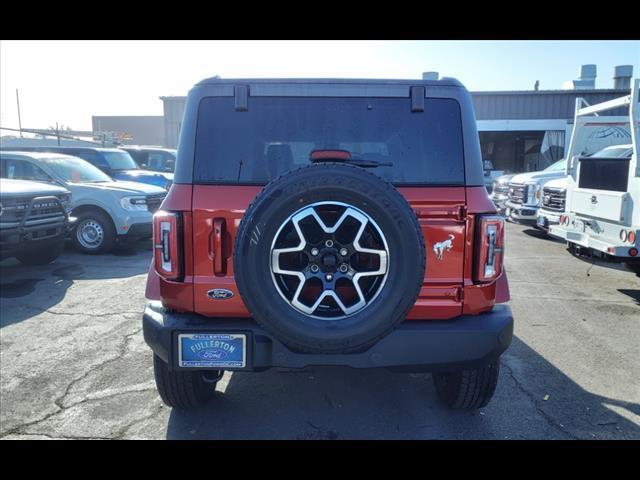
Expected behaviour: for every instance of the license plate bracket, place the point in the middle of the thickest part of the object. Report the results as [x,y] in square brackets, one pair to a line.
[212,350]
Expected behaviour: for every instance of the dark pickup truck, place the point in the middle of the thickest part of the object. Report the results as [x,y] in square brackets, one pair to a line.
[34,221]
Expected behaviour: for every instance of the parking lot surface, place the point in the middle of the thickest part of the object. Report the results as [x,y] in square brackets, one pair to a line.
[73,363]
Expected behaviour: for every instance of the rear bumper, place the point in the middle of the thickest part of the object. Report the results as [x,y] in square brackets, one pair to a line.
[604,245]
[414,346]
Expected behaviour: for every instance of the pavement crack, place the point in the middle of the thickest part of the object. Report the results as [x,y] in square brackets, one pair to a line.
[548,418]
[96,315]
[122,349]
[123,431]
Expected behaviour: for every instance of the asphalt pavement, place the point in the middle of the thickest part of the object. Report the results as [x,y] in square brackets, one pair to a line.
[73,363]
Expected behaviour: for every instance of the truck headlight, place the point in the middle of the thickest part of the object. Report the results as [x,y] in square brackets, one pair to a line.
[134,203]
[534,193]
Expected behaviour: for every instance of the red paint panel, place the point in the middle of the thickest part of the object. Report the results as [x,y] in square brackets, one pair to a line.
[441,212]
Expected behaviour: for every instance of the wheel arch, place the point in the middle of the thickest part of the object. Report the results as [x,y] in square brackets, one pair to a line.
[79,210]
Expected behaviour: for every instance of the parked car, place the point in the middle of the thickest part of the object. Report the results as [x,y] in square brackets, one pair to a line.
[157,159]
[525,192]
[34,221]
[500,191]
[553,204]
[107,211]
[298,231]
[115,162]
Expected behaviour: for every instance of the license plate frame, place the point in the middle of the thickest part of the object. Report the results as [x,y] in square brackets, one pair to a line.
[212,350]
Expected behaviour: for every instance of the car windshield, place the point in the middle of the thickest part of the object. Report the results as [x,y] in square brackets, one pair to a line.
[559,166]
[613,152]
[120,161]
[76,170]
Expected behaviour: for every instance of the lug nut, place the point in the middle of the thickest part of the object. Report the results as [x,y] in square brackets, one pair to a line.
[344,268]
[315,251]
[315,268]
[329,243]
[329,277]
[343,252]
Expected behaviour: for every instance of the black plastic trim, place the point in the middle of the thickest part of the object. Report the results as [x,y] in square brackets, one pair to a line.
[420,346]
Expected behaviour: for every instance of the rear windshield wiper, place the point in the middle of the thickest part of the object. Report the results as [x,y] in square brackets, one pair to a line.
[344,156]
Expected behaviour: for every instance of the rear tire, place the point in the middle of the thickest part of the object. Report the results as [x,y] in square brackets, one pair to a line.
[179,389]
[45,254]
[468,389]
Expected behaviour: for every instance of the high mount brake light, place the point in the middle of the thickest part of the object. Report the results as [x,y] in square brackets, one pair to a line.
[166,244]
[490,240]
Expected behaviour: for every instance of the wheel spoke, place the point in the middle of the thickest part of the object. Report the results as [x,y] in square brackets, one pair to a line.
[329,291]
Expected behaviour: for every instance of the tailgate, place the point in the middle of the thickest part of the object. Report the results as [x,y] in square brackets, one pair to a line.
[217,211]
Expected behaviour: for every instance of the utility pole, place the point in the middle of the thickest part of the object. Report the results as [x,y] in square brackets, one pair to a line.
[19,119]
[58,133]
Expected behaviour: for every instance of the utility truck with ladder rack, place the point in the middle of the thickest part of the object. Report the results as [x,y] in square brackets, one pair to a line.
[603,192]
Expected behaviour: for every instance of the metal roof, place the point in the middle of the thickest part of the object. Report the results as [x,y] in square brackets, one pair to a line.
[540,104]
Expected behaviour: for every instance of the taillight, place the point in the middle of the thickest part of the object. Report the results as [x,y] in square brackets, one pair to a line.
[490,253]
[166,244]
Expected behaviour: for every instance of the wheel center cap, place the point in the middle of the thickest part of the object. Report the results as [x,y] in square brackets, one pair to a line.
[329,262]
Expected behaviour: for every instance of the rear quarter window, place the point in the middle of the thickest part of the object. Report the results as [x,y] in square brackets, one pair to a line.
[277,134]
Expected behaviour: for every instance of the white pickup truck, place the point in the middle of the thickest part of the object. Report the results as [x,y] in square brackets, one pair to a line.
[603,190]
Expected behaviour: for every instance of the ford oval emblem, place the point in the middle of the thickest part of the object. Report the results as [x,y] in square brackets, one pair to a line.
[220,294]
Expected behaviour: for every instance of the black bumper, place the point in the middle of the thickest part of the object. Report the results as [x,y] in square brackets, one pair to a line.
[22,239]
[414,346]
[137,230]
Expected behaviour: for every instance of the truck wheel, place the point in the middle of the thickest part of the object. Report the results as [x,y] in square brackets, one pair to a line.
[180,389]
[329,258]
[45,254]
[467,389]
[94,233]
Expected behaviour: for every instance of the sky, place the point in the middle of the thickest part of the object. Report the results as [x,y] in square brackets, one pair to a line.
[69,81]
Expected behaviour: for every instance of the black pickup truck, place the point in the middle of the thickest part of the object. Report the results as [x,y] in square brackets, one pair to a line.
[34,221]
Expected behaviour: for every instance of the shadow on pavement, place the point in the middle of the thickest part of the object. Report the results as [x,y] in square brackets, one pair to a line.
[534,232]
[26,290]
[344,403]
[635,294]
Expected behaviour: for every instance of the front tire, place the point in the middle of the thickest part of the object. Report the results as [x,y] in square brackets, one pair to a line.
[46,254]
[467,389]
[94,233]
[183,390]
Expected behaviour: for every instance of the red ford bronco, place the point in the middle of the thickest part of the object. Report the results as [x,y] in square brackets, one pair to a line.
[328,222]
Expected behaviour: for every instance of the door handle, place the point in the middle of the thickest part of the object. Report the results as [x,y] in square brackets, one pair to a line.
[219,262]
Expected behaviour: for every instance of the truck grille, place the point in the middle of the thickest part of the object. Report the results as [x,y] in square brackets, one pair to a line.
[43,211]
[517,193]
[154,201]
[553,198]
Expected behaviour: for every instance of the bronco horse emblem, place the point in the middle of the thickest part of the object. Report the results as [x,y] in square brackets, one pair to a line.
[444,246]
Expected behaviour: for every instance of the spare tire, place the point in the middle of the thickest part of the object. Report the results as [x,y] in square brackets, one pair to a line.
[329,258]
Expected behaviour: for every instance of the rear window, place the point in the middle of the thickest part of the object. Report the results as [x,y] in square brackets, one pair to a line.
[278,134]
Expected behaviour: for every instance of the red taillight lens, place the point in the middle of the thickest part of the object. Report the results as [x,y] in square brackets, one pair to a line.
[490,241]
[631,238]
[166,244]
